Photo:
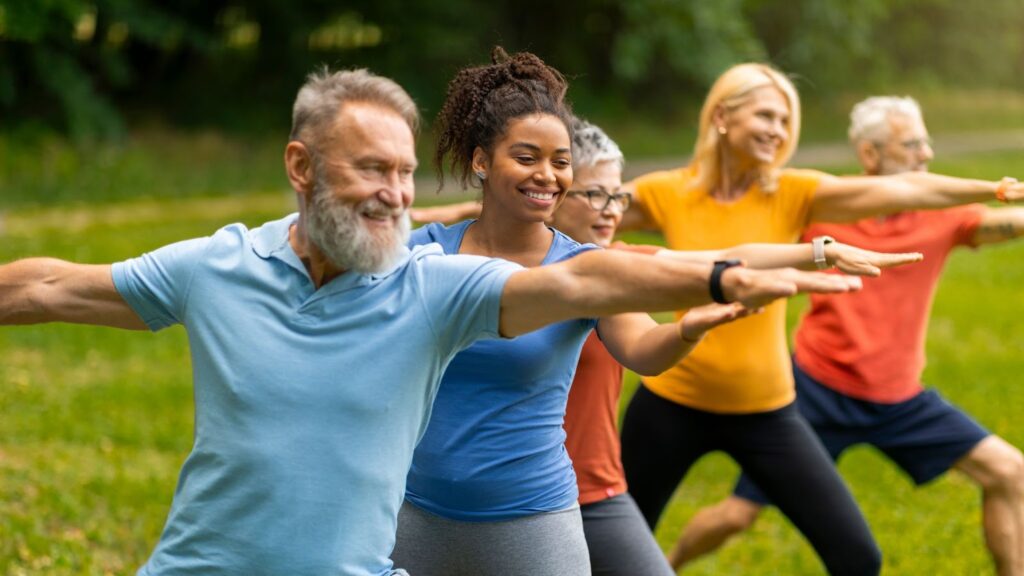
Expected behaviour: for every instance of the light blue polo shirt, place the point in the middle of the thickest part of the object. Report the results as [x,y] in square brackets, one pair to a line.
[308,402]
[495,446]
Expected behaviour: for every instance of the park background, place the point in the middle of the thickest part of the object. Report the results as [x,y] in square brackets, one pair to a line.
[129,124]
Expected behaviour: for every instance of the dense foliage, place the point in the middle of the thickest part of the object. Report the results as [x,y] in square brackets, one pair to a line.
[84,66]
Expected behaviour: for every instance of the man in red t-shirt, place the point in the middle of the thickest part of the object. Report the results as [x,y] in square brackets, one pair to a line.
[859,356]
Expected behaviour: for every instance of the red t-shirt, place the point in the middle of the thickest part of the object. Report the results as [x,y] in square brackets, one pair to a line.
[870,344]
[591,416]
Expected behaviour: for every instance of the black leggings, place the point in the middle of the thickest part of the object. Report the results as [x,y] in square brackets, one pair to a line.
[661,440]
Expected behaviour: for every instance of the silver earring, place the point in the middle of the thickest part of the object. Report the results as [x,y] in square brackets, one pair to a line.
[480,174]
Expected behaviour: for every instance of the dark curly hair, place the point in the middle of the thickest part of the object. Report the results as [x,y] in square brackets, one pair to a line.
[482,100]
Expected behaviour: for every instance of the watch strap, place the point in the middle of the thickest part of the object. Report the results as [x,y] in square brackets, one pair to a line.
[715,281]
[818,251]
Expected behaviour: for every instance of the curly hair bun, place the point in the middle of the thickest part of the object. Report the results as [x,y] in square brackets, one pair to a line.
[482,100]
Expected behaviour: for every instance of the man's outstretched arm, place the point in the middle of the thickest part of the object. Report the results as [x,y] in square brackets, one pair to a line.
[1000,225]
[605,282]
[38,290]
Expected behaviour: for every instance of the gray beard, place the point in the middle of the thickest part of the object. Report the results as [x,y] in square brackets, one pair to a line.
[888,167]
[336,228]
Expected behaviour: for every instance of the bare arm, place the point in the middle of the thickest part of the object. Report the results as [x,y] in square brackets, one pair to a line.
[999,225]
[39,290]
[639,343]
[851,198]
[447,213]
[848,259]
[607,282]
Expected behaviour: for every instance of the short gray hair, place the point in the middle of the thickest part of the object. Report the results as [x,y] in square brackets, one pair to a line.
[591,146]
[869,119]
[324,93]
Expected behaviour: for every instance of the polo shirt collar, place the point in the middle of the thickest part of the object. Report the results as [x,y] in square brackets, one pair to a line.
[271,241]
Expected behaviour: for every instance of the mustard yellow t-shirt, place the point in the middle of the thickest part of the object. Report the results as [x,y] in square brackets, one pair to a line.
[744,366]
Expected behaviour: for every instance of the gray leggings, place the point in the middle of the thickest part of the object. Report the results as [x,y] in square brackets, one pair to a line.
[620,542]
[540,545]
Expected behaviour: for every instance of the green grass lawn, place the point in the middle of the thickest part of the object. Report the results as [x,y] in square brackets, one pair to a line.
[96,422]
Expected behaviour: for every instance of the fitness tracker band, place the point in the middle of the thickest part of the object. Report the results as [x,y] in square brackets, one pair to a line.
[715,281]
[818,250]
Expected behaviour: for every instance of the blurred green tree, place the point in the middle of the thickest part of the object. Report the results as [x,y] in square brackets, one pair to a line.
[84,66]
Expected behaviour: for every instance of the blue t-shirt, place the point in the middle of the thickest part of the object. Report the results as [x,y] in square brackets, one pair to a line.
[495,446]
[308,403]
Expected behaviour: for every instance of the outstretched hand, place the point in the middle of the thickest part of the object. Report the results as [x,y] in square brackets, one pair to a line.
[699,320]
[857,261]
[1010,190]
[756,288]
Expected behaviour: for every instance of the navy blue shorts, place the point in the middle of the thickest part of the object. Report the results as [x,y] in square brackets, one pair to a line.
[925,435]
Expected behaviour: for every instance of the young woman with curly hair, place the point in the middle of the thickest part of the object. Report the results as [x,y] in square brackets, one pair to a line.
[491,489]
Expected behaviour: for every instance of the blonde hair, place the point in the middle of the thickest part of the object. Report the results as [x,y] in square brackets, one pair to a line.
[733,89]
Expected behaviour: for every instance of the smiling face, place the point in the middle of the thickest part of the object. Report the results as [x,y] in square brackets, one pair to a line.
[757,129]
[529,169]
[577,219]
[363,185]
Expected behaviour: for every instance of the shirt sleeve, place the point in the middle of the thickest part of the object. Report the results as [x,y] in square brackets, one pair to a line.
[576,251]
[461,296]
[650,193]
[156,284]
[797,189]
[969,220]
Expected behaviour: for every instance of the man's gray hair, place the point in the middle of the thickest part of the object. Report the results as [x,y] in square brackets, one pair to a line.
[869,119]
[591,146]
[324,92]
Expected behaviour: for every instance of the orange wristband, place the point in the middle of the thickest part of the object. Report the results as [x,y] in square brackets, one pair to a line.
[1001,189]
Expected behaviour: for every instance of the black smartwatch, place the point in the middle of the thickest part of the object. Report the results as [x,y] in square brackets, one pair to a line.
[715,281]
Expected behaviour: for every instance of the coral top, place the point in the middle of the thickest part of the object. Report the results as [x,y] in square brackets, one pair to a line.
[870,344]
[591,416]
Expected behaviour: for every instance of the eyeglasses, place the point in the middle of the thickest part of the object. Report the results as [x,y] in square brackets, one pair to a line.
[599,199]
[916,144]
[911,145]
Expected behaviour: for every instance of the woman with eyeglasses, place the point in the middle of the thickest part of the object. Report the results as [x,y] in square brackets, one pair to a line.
[734,392]
[618,538]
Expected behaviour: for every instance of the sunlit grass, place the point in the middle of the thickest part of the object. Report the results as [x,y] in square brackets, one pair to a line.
[96,422]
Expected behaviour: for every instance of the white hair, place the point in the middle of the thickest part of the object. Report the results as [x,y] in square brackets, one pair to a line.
[324,93]
[869,119]
[591,146]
